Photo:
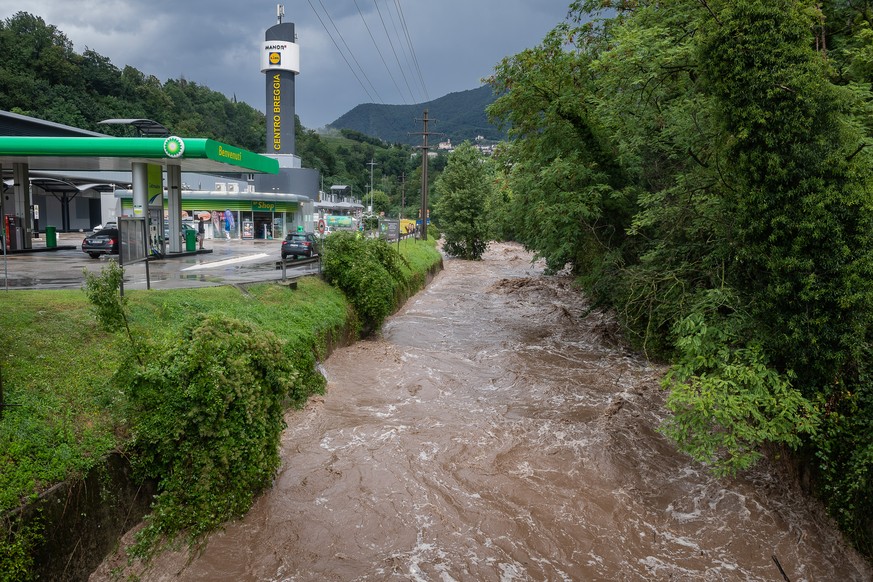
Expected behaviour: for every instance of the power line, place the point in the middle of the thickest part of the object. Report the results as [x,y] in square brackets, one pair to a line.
[379,51]
[411,49]
[403,47]
[391,43]
[400,38]
[379,99]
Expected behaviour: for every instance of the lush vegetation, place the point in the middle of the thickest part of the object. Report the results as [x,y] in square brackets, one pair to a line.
[67,421]
[705,170]
[464,189]
[192,384]
[372,274]
[205,411]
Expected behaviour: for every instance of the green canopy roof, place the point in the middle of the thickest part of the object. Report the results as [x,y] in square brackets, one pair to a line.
[117,153]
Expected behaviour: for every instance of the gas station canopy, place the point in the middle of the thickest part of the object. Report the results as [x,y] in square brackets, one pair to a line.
[118,153]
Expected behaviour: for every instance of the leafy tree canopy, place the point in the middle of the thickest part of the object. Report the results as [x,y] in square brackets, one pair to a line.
[463,190]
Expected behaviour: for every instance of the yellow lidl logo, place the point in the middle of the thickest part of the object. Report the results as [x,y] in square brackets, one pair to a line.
[275,58]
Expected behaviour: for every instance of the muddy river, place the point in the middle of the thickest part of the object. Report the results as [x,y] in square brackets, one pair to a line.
[494,431]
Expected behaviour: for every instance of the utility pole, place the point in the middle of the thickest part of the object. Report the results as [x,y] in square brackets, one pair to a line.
[424,188]
[402,204]
[402,194]
[371,163]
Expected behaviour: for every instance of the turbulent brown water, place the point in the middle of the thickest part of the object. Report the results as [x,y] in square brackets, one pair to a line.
[493,432]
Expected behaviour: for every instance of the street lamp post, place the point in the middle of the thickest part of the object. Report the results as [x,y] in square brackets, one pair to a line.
[371,163]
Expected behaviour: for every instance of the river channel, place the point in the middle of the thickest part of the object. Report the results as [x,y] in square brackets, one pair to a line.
[495,430]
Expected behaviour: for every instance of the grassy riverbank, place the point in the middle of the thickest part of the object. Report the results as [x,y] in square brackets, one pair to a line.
[59,366]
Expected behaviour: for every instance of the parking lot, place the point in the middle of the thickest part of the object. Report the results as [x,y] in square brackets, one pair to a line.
[221,262]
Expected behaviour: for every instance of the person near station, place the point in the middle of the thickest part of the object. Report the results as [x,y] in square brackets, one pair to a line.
[228,223]
[201,232]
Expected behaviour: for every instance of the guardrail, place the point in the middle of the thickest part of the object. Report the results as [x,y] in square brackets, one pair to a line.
[284,263]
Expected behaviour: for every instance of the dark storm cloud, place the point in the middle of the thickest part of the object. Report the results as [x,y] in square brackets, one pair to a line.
[455,43]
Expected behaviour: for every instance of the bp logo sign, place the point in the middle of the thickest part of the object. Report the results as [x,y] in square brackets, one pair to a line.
[174,147]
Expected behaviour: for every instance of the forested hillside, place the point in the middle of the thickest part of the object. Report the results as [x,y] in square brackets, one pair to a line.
[344,158]
[42,76]
[457,116]
[706,171]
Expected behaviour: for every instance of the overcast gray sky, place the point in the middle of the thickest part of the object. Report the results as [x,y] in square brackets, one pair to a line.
[454,44]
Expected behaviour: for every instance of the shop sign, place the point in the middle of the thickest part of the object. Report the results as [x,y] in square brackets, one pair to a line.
[261,206]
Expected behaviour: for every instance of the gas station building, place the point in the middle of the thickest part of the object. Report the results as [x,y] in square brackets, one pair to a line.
[72,180]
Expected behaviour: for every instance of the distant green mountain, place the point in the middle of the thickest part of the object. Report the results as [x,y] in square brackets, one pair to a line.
[457,116]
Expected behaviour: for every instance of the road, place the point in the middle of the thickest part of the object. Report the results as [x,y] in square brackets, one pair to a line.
[221,262]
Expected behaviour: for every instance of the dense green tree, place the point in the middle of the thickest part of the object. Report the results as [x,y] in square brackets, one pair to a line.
[803,218]
[32,45]
[381,203]
[800,203]
[100,75]
[664,130]
[570,199]
[462,192]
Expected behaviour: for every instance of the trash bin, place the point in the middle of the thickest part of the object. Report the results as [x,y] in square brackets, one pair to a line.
[190,240]
[51,237]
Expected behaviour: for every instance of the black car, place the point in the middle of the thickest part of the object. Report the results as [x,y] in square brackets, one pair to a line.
[299,244]
[102,242]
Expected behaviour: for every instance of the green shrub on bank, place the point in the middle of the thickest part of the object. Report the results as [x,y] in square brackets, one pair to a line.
[205,400]
[206,415]
[727,401]
[17,543]
[368,270]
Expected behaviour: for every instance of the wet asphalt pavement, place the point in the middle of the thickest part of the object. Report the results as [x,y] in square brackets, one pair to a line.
[221,262]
